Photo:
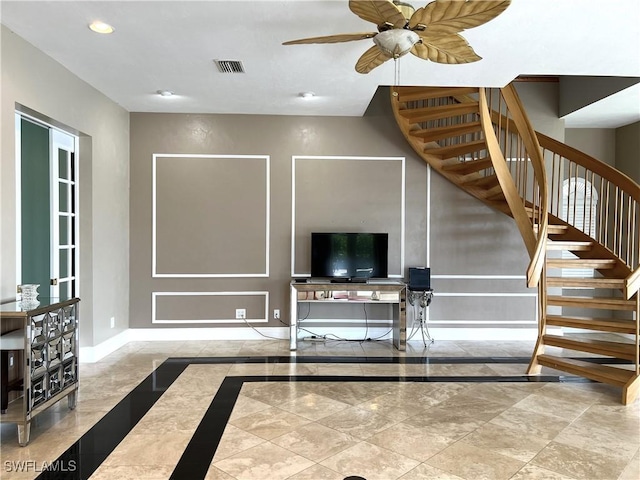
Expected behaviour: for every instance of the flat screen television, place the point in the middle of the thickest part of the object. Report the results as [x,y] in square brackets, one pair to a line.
[349,256]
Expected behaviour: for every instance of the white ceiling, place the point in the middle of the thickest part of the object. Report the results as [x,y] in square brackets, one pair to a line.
[172,44]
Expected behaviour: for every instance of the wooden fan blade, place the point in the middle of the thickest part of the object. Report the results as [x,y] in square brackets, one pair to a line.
[372,58]
[379,12]
[343,37]
[451,16]
[450,49]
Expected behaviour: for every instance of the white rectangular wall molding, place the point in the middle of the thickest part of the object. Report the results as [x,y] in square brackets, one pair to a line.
[195,197]
[186,321]
[334,199]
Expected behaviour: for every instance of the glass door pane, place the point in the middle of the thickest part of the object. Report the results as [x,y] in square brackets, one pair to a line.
[64,216]
[34,208]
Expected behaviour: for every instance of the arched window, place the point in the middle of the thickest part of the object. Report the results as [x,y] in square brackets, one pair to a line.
[579,208]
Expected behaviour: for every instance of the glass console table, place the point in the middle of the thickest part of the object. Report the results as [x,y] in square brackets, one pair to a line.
[391,292]
[48,357]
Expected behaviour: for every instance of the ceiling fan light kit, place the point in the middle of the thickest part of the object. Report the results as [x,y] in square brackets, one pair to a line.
[430,33]
[396,42]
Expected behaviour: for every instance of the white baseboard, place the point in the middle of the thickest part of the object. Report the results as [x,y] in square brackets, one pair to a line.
[487,334]
[227,333]
[97,352]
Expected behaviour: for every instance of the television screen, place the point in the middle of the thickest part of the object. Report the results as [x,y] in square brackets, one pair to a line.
[349,255]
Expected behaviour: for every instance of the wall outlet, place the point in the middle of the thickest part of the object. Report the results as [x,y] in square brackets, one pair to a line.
[113,322]
[276,314]
[241,313]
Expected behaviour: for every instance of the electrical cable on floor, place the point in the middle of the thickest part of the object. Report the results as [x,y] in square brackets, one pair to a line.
[366,322]
[337,338]
[378,339]
[259,332]
[414,329]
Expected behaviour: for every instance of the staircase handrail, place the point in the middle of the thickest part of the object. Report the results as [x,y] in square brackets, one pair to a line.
[530,140]
[536,245]
[615,177]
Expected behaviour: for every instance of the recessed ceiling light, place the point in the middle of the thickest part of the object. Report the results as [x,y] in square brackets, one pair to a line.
[101,27]
[165,93]
[307,95]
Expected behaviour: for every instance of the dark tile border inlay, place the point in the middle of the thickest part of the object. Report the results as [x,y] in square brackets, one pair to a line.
[94,446]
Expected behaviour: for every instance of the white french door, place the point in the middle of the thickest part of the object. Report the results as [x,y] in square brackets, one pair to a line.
[63,215]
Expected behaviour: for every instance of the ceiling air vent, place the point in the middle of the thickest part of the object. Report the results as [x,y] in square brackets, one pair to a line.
[229,66]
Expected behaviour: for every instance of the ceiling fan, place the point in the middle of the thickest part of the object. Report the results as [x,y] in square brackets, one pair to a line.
[431,32]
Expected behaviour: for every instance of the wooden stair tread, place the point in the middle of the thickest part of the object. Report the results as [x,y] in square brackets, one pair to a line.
[601,282]
[496,195]
[458,149]
[411,94]
[424,114]
[594,371]
[607,303]
[625,351]
[596,263]
[554,229]
[573,246]
[500,205]
[487,181]
[599,324]
[465,168]
[439,133]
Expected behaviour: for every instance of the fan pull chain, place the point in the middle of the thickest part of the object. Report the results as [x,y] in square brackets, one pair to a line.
[396,79]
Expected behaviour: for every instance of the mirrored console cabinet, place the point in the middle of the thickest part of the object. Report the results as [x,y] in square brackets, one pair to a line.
[40,359]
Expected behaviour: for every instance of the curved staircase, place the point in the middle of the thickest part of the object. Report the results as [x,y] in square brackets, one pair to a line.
[579,219]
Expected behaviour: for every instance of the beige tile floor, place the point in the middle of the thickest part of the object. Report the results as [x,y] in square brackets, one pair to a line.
[330,430]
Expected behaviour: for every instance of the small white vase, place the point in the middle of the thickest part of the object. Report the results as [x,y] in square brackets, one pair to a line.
[29,292]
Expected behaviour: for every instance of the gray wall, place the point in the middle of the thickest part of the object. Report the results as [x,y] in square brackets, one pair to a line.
[476,254]
[540,100]
[33,80]
[600,143]
[628,150]
[577,92]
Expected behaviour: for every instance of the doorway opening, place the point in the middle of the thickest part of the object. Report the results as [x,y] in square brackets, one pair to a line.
[47,207]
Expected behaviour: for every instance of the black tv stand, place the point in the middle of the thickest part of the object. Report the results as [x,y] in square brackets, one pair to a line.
[349,280]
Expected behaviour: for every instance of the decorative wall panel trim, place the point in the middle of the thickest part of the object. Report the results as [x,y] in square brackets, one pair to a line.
[493,322]
[428,223]
[482,277]
[267,213]
[401,211]
[155,295]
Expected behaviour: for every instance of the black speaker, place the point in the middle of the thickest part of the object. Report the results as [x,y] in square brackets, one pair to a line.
[419,278]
